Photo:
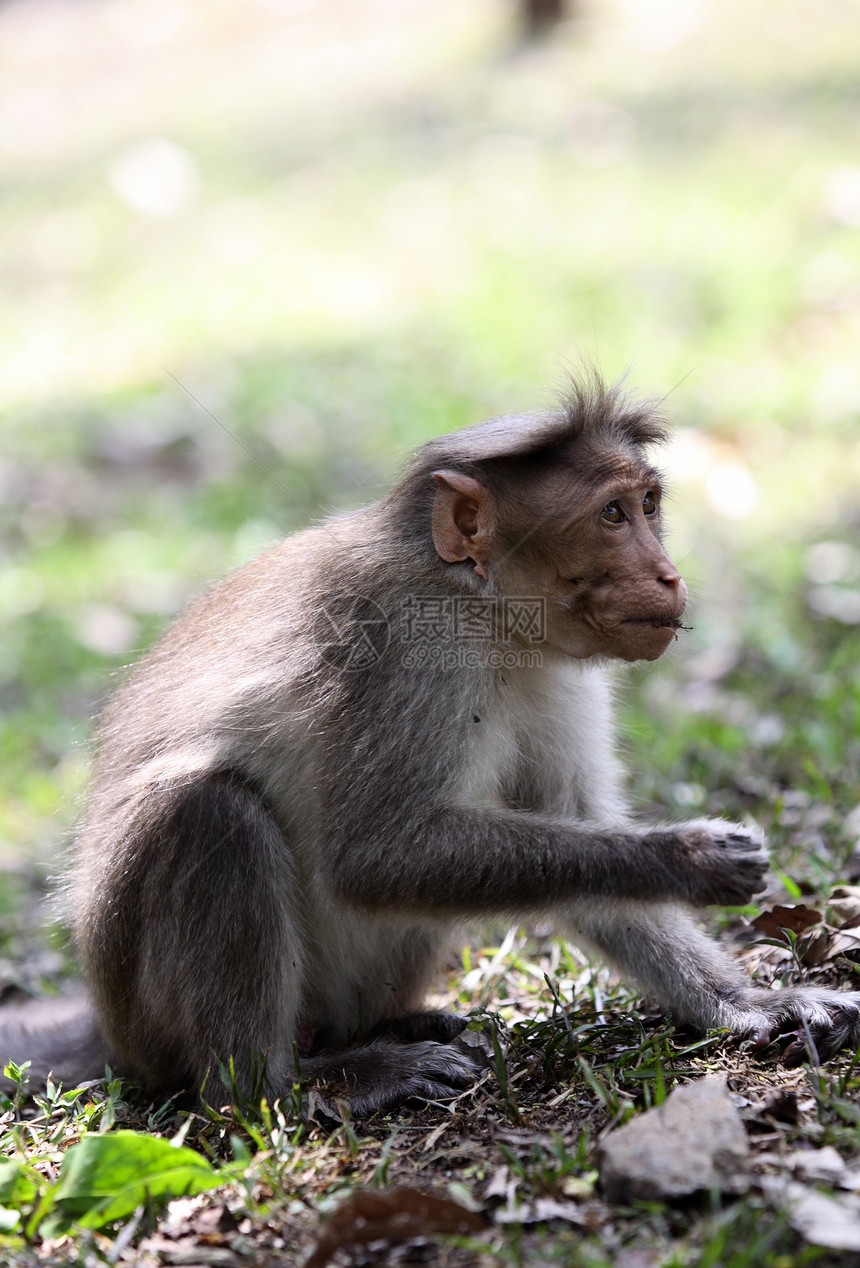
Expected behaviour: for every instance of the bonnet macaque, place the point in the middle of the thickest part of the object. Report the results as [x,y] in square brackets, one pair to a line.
[388,723]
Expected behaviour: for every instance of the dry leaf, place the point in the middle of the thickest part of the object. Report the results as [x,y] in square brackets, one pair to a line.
[844,904]
[818,1164]
[498,1186]
[540,1211]
[817,949]
[822,1220]
[395,1216]
[796,919]
[829,943]
[780,1103]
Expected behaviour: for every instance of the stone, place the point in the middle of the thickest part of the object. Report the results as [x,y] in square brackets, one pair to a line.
[694,1141]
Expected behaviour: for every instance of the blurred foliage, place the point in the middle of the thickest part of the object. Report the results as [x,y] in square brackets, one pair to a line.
[251,253]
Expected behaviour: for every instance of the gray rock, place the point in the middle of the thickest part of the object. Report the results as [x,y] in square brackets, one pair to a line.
[833,1222]
[818,1164]
[695,1140]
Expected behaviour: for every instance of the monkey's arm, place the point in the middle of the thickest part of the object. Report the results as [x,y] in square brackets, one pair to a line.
[416,811]
[660,947]
[459,861]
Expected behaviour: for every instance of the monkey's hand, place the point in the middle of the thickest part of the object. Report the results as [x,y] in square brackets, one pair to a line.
[815,1020]
[386,1073]
[716,862]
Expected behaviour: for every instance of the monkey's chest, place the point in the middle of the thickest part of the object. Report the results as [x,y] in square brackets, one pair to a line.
[536,744]
[522,769]
[541,779]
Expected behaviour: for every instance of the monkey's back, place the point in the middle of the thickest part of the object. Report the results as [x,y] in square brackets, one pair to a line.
[238,687]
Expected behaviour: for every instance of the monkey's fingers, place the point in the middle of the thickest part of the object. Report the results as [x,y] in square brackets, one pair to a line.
[725,835]
[742,836]
[728,861]
[734,885]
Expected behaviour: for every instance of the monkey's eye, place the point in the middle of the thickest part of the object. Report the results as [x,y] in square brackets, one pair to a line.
[613,514]
[649,504]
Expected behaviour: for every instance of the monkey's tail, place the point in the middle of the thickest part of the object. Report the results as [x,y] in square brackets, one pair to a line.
[59,1037]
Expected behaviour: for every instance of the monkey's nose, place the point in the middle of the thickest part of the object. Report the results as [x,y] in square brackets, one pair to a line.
[673,581]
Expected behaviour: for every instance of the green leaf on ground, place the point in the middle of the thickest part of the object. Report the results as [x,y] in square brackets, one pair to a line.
[16,1186]
[105,1178]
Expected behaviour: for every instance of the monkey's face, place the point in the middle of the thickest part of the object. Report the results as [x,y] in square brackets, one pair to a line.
[609,587]
[584,539]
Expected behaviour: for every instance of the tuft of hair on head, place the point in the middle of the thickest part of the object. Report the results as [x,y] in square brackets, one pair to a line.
[589,409]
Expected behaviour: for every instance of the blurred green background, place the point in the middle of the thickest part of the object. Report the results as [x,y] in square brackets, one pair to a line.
[253,251]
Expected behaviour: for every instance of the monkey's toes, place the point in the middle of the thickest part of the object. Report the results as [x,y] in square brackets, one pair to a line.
[759,1036]
[443,1027]
[809,1022]
[823,1038]
[445,1065]
[429,1071]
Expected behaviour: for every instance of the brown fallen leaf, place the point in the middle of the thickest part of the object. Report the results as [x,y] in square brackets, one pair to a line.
[828,943]
[780,1103]
[395,1216]
[844,904]
[796,919]
[817,948]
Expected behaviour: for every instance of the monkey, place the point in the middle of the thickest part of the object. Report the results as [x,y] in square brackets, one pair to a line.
[393,721]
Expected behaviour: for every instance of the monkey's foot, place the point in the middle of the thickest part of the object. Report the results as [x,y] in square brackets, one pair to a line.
[386,1072]
[814,1019]
[727,861]
[443,1027]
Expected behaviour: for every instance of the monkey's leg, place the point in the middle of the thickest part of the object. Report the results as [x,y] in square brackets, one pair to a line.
[660,947]
[189,933]
[408,1028]
[192,944]
[422,1055]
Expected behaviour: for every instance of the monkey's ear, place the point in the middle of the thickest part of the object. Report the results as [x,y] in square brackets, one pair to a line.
[461,515]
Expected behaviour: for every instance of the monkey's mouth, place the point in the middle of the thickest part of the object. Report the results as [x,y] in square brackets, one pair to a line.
[657,622]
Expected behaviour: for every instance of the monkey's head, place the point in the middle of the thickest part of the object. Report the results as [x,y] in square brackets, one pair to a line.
[574,520]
